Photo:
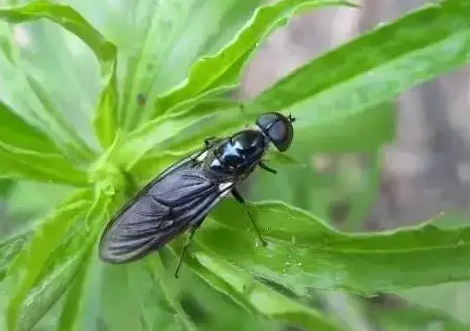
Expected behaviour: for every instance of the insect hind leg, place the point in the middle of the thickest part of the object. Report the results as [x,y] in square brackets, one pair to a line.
[242,202]
[185,248]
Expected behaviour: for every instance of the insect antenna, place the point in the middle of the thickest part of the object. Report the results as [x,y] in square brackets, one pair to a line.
[240,199]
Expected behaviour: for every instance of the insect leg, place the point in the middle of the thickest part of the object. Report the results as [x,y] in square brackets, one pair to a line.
[209,141]
[240,199]
[185,247]
[267,168]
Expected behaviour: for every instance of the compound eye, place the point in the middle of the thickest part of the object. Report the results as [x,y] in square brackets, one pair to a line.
[281,135]
[278,128]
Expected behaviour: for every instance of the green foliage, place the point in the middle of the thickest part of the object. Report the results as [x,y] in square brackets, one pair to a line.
[93,135]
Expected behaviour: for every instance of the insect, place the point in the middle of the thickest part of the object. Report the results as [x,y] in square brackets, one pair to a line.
[180,198]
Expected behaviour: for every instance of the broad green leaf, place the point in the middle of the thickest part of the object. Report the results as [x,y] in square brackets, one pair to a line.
[304,252]
[254,295]
[65,16]
[27,266]
[224,68]
[340,85]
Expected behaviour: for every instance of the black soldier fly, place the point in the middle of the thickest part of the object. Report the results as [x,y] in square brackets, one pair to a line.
[180,198]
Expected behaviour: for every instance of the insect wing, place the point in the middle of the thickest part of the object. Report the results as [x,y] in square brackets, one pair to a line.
[179,198]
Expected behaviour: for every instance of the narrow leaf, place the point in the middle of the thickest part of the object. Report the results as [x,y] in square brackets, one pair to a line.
[28,153]
[105,51]
[373,68]
[65,270]
[27,266]
[83,299]
[25,164]
[158,272]
[224,68]
[160,42]
[10,247]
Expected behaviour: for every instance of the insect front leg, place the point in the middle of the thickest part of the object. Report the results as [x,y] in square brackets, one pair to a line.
[267,168]
[241,200]
[210,141]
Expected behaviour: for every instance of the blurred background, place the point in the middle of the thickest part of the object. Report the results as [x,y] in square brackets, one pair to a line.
[424,172]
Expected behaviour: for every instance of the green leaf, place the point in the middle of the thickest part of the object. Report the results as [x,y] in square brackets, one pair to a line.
[132,282]
[26,164]
[28,264]
[408,317]
[6,186]
[276,157]
[51,285]
[106,122]
[67,268]
[105,51]
[373,68]
[224,68]
[66,17]
[57,127]
[444,298]
[158,45]
[28,153]
[10,247]
[137,143]
[78,306]
[254,295]
[16,132]
[304,252]
[157,270]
